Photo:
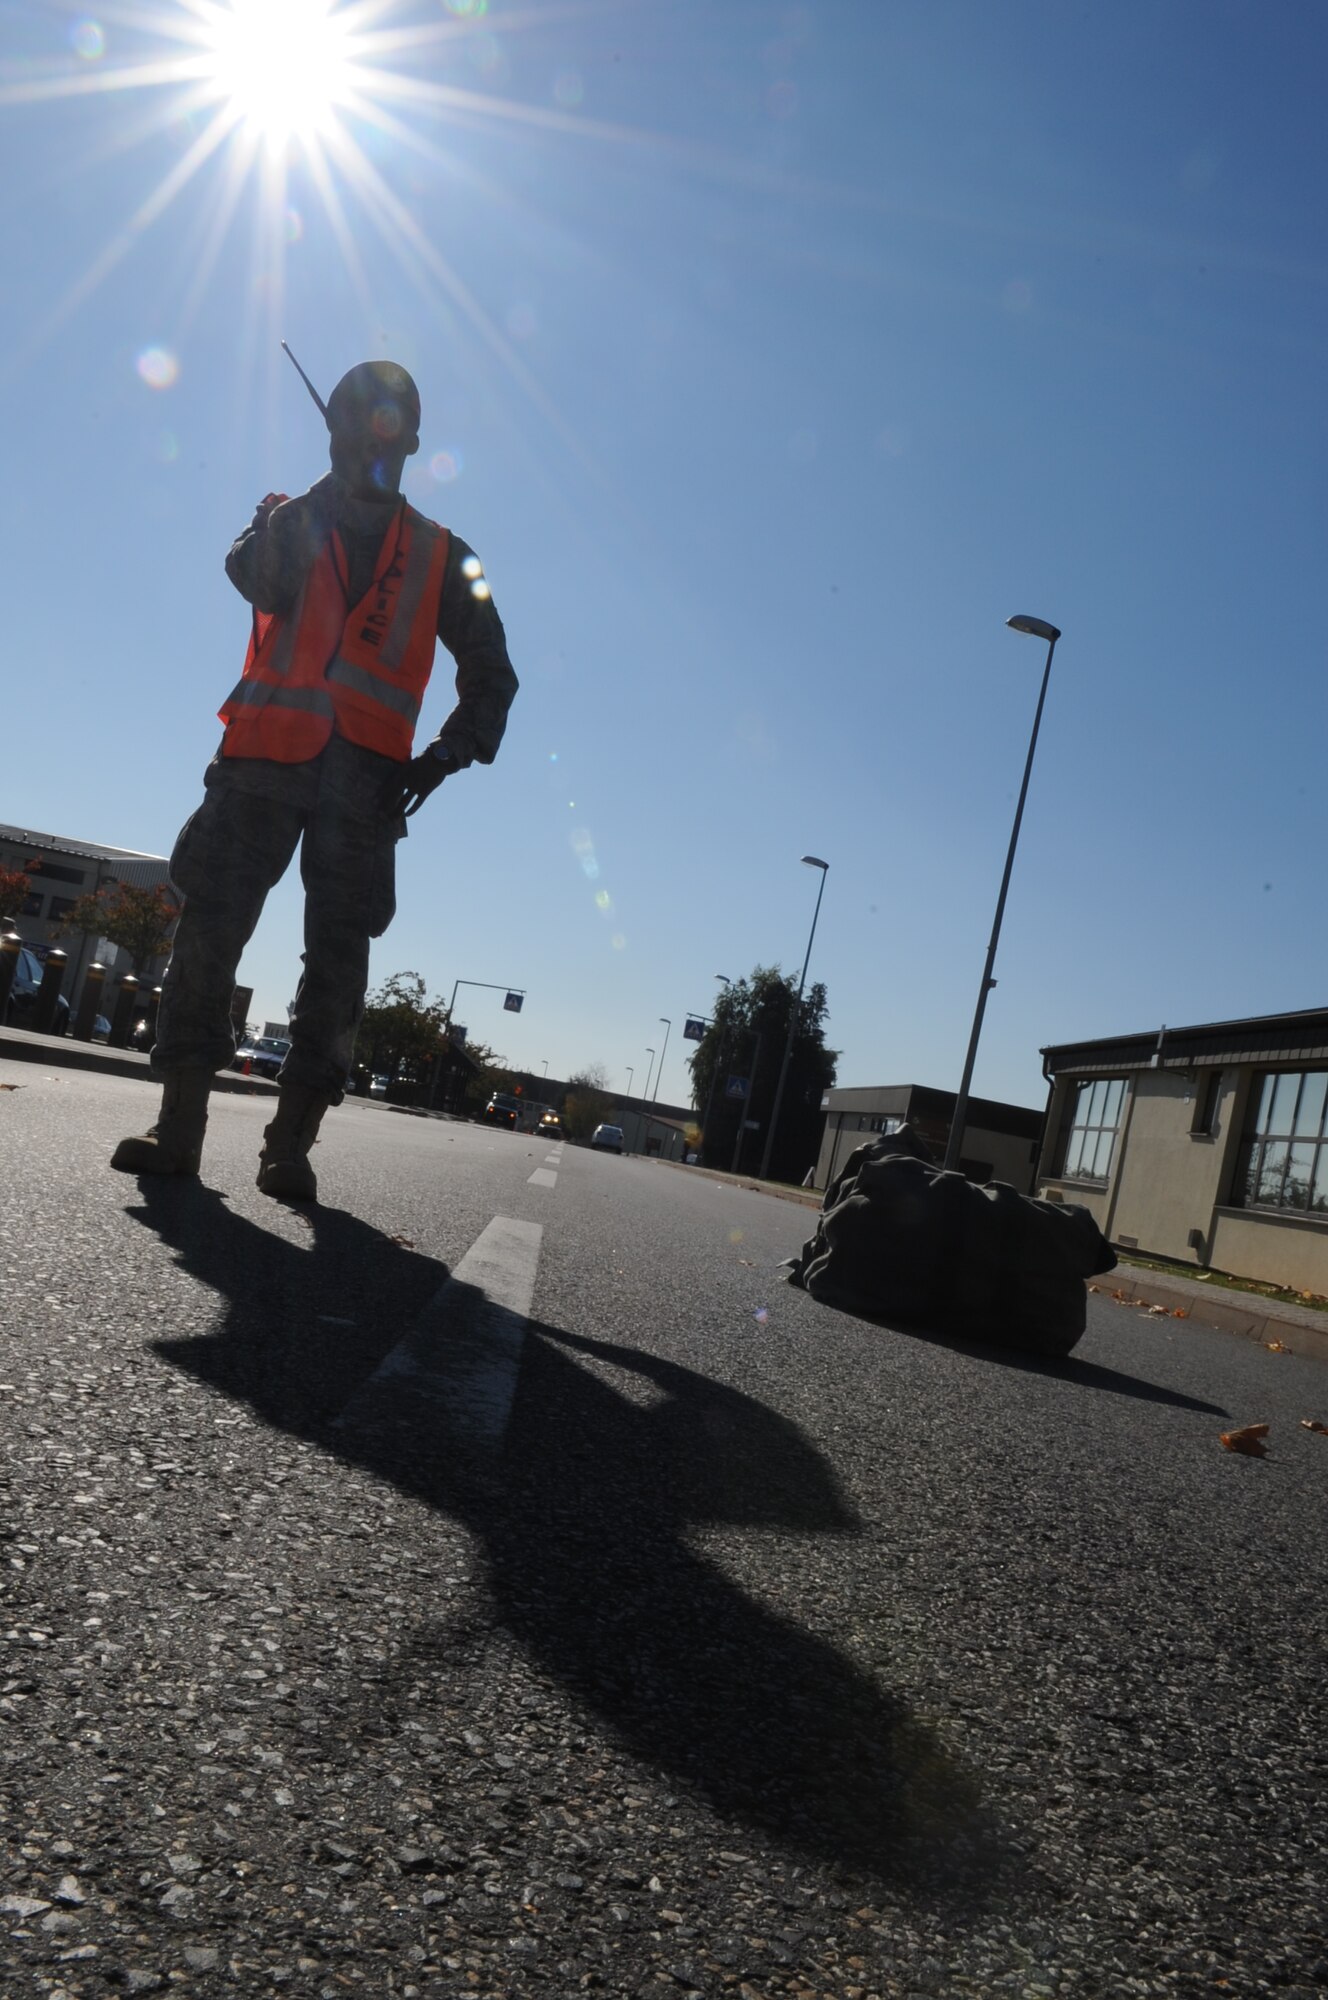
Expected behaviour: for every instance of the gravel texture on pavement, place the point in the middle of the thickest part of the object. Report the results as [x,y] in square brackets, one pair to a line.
[767,1656]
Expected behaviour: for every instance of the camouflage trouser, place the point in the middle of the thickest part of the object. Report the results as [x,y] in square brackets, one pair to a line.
[233,850]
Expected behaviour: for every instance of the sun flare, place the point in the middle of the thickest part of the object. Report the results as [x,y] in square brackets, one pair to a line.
[282,66]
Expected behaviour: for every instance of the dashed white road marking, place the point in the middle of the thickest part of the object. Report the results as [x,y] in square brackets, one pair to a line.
[464,1350]
[542,1177]
[553,1159]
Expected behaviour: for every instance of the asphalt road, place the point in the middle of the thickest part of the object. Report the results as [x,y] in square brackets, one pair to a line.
[497,1581]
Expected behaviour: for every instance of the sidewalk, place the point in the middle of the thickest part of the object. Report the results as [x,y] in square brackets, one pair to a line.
[63,1052]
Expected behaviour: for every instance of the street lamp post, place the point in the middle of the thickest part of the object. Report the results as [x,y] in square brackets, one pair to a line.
[724,981]
[545,1071]
[660,1071]
[809,861]
[630,1074]
[645,1094]
[1038,628]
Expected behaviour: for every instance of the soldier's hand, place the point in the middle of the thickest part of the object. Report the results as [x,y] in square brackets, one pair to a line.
[406,790]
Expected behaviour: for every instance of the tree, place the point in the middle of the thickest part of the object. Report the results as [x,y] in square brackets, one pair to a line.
[15,888]
[587,1103]
[401,1030]
[139,921]
[746,1040]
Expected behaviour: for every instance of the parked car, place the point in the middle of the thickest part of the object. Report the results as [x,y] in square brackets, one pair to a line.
[608,1138]
[23,995]
[503,1110]
[550,1126]
[261,1057]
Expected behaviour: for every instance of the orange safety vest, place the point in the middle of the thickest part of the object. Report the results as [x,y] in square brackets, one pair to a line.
[360,670]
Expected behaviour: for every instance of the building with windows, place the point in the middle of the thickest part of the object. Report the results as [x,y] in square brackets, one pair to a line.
[60,870]
[1001,1141]
[1207,1145]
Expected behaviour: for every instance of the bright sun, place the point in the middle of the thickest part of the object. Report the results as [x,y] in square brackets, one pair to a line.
[283,66]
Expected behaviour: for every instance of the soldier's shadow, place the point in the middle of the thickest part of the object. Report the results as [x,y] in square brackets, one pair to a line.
[583,1514]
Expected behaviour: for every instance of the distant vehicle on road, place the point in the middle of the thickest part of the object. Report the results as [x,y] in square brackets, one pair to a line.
[608,1138]
[261,1057]
[550,1126]
[503,1110]
[378,1086]
[23,995]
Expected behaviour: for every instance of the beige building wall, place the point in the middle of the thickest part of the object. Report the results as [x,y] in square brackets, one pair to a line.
[1168,1180]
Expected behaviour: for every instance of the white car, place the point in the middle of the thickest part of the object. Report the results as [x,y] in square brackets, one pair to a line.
[608,1138]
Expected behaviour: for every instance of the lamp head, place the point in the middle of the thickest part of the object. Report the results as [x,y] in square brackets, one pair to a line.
[1038,628]
[811,861]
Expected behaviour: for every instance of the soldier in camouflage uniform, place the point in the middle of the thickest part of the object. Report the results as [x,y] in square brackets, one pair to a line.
[349,588]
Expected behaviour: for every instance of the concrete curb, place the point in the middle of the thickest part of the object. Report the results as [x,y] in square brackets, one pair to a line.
[1244,1313]
[62,1052]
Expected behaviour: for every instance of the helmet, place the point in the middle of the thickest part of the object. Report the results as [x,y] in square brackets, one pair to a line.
[380,399]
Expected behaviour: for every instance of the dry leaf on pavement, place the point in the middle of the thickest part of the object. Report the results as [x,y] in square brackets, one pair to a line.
[1313,1424]
[1250,1440]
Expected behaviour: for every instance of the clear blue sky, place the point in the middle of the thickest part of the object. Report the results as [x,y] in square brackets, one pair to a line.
[771,357]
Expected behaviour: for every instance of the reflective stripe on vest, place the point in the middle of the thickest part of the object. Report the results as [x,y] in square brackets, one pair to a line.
[362,672]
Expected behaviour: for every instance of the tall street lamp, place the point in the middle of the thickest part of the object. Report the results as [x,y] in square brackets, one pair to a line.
[809,861]
[1038,628]
[726,982]
[546,1066]
[645,1094]
[630,1074]
[660,1071]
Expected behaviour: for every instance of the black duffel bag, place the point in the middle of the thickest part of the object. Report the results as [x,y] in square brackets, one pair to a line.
[901,1240]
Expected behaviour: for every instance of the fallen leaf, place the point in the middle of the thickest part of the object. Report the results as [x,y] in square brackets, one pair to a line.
[1181,1312]
[1095,1288]
[1313,1424]
[403,1241]
[1250,1440]
[1155,1311]
[1275,1346]
[11,1086]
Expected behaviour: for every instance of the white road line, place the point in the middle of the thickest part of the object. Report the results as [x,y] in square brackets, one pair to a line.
[464,1350]
[553,1159]
[542,1177]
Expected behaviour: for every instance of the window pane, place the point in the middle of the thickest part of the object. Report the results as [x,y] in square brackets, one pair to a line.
[1094,1115]
[1319,1199]
[1115,1098]
[1265,1104]
[1300,1172]
[1081,1099]
[1269,1189]
[1282,1115]
[1309,1112]
[1247,1174]
[1102,1156]
[1075,1152]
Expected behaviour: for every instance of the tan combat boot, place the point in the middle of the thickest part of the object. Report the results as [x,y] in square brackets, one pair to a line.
[174,1145]
[283,1165]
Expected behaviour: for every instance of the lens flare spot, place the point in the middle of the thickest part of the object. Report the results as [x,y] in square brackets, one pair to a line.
[761,1315]
[294,225]
[445,466]
[603,901]
[467,10]
[619,941]
[168,447]
[568,89]
[735,1235]
[158,367]
[553,756]
[472,566]
[88,39]
[480,589]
